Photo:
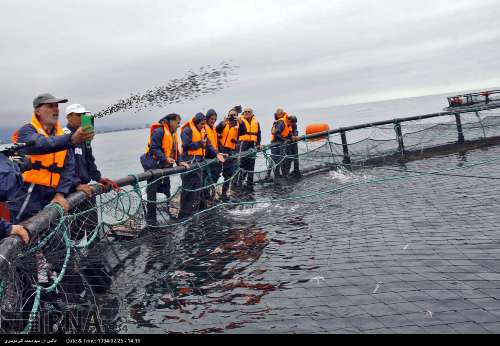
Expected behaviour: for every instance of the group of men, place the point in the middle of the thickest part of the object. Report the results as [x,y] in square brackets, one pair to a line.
[231,147]
[62,162]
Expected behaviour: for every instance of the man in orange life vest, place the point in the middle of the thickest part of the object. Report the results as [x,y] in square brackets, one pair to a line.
[228,131]
[215,168]
[195,147]
[249,138]
[53,173]
[281,134]
[162,151]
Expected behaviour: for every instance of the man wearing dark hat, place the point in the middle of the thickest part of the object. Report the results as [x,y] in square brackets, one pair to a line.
[53,173]
[162,151]
[195,147]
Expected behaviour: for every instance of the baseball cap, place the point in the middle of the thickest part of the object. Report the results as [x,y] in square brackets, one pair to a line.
[46,98]
[76,108]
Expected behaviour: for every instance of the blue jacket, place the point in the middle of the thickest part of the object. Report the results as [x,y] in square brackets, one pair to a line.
[188,144]
[86,169]
[42,195]
[155,150]
[10,185]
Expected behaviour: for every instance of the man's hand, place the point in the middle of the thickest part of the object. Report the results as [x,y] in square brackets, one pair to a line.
[221,157]
[295,138]
[170,161]
[59,199]
[259,147]
[21,232]
[108,182]
[81,135]
[184,164]
[85,188]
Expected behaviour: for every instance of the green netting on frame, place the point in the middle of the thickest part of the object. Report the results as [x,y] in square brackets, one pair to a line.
[83,264]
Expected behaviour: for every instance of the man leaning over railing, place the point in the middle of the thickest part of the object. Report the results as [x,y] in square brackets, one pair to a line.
[162,151]
[86,171]
[52,176]
[53,164]
[195,146]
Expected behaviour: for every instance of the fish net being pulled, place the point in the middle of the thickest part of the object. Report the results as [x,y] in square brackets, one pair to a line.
[393,228]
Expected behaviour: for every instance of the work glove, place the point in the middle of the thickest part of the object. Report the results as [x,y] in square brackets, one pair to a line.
[108,182]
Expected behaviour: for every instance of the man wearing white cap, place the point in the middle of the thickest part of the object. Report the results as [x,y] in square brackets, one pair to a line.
[86,169]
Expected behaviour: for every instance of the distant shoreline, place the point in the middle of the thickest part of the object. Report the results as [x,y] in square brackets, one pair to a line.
[5,133]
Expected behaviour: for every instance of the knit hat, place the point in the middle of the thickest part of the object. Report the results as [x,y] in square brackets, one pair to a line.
[199,117]
[170,117]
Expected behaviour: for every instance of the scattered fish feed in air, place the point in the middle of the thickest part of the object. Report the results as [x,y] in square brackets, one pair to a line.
[207,80]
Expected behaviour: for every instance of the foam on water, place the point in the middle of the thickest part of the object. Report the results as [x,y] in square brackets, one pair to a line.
[249,210]
[343,175]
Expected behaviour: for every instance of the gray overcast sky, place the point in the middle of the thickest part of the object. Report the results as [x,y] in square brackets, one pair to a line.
[299,54]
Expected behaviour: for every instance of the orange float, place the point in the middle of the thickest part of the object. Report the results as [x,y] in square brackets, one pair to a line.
[315,129]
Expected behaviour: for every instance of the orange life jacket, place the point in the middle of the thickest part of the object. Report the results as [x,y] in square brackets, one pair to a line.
[198,136]
[229,136]
[286,131]
[212,136]
[47,168]
[169,143]
[252,130]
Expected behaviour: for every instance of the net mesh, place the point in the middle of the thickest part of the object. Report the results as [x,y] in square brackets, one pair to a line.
[370,246]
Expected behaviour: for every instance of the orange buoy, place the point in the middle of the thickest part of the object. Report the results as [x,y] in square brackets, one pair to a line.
[315,129]
[4,212]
